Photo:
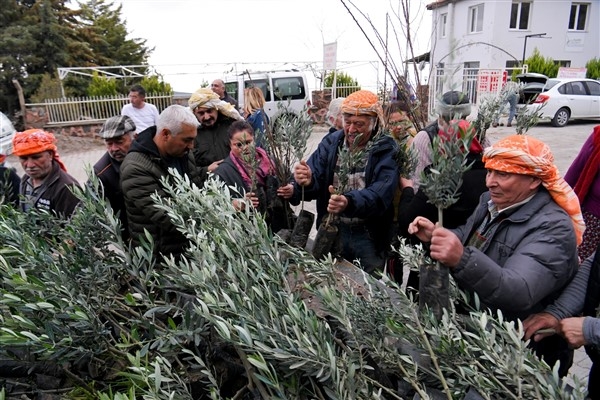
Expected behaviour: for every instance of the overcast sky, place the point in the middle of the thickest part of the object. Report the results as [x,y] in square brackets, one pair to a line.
[194,40]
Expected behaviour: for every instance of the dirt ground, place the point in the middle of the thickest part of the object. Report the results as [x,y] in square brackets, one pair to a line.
[74,144]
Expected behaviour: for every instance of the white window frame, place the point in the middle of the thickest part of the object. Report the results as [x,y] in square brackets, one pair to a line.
[443,25]
[476,18]
[520,3]
[576,19]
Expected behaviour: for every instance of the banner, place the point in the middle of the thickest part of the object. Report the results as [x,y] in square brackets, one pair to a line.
[330,56]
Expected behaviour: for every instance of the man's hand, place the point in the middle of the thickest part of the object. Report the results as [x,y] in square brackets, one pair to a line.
[572,330]
[405,182]
[446,247]
[302,173]
[286,191]
[213,166]
[337,202]
[253,199]
[422,228]
[535,322]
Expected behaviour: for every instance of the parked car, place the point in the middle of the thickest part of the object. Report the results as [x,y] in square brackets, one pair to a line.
[531,84]
[7,131]
[278,87]
[563,99]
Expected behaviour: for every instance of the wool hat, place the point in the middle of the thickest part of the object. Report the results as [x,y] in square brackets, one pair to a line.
[363,102]
[117,126]
[453,105]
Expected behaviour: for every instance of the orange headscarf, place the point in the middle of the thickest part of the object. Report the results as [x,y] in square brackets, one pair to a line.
[525,155]
[33,141]
[363,102]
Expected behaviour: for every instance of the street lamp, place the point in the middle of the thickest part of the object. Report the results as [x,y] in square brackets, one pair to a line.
[534,35]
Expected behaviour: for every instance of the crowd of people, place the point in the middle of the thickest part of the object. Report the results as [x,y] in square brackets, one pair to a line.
[515,237]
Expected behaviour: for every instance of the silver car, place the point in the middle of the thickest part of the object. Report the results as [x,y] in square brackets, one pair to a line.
[564,99]
[7,131]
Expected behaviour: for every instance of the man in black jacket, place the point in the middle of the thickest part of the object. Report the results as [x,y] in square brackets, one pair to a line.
[118,134]
[215,117]
[158,148]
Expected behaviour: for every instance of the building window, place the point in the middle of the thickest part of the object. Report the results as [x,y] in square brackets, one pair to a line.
[563,63]
[519,15]
[476,18]
[443,25]
[578,17]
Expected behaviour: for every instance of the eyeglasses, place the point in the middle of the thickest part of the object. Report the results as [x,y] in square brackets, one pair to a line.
[239,145]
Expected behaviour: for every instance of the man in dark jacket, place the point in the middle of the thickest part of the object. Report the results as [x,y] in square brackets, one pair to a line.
[46,184]
[218,86]
[167,145]
[118,134]
[518,249]
[365,206]
[215,117]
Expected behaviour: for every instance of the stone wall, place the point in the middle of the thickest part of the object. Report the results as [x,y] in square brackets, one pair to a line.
[36,117]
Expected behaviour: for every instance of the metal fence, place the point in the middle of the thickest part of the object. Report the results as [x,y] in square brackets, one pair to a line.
[343,91]
[94,109]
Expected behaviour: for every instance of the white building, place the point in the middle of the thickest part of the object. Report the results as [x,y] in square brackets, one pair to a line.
[475,41]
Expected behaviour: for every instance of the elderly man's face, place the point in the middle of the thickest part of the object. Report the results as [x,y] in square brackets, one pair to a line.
[355,125]
[37,165]
[507,189]
[219,88]
[119,146]
[206,116]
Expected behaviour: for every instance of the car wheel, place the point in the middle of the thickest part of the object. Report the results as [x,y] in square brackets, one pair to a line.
[561,117]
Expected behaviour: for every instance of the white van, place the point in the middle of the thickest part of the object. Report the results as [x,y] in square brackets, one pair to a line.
[277,87]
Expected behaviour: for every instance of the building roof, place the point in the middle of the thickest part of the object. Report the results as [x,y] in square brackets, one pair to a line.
[439,3]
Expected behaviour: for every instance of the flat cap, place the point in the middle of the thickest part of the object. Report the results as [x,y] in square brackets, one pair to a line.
[117,126]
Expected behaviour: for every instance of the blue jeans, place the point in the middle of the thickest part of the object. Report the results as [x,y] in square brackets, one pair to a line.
[513,99]
[358,245]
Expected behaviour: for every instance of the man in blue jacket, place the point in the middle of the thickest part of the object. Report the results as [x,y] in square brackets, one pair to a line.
[364,207]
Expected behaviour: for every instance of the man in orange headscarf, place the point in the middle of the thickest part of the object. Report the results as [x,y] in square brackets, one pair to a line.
[46,184]
[364,205]
[518,249]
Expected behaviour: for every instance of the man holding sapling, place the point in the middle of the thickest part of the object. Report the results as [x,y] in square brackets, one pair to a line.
[518,249]
[365,160]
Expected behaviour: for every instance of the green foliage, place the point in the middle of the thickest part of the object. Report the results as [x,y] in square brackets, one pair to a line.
[538,63]
[285,139]
[155,84]
[49,89]
[593,68]
[488,112]
[341,80]
[238,301]
[449,162]
[102,86]
[37,37]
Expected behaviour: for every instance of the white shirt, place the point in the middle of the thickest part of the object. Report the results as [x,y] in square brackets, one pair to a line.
[142,117]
